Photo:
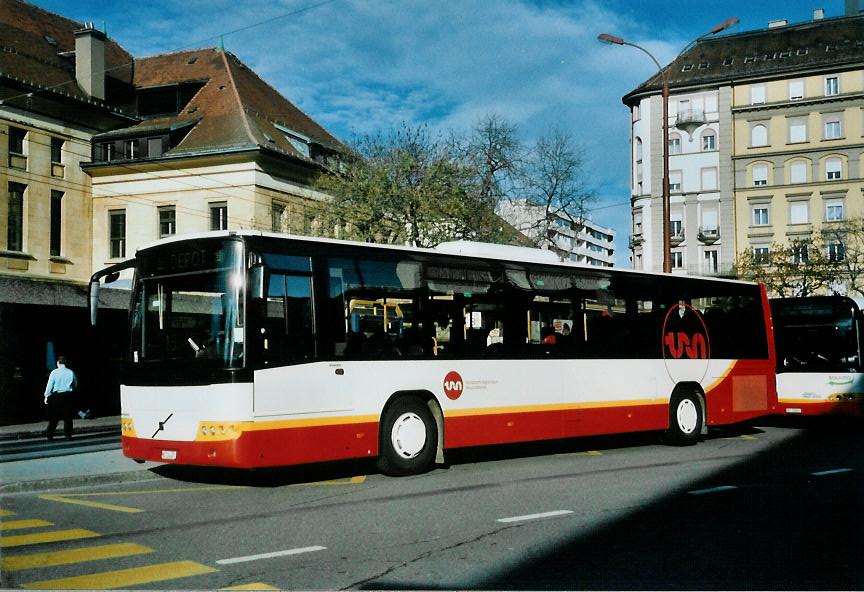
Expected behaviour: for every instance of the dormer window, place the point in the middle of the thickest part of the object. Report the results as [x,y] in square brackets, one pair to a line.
[298,141]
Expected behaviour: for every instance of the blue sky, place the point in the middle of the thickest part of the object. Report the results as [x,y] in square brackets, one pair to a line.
[364,65]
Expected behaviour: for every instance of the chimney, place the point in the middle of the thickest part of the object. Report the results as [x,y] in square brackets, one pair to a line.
[777,23]
[818,14]
[90,61]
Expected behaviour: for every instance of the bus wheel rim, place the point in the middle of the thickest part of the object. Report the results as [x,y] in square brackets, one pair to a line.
[408,435]
[687,415]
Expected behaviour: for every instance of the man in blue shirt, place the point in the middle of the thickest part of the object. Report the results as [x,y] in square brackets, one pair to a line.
[59,393]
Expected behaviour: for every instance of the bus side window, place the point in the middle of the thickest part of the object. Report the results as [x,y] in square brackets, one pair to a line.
[274,322]
[298,307]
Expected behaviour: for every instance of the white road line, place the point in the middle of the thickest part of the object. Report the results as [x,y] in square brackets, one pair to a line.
[270,555]
[535,516]
[712,490]
[831,472]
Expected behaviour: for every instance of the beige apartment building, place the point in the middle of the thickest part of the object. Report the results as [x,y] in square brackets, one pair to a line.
[766,149]
[799,140]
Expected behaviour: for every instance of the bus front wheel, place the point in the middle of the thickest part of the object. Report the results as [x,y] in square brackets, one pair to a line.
[408,438]
[685,419]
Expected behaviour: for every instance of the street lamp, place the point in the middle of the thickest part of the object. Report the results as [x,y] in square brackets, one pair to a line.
[607,38]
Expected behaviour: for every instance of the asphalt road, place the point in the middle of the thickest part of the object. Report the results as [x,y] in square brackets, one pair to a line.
[757,507]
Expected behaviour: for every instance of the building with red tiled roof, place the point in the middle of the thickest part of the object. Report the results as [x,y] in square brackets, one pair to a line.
[101,152]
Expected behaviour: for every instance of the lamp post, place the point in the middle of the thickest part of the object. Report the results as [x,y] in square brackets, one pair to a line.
[607,38]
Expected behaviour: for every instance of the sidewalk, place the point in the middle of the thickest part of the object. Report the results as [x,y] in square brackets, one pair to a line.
[68,469]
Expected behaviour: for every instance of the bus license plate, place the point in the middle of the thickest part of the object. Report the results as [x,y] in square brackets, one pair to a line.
[169,455]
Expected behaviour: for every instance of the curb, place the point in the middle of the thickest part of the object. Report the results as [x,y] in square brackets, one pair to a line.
[78,481]
[40,433]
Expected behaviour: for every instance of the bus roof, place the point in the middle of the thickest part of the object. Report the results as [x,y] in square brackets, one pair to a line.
[467,249]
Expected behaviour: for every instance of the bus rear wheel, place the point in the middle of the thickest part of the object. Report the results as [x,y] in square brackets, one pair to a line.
[409,438]
[685,419]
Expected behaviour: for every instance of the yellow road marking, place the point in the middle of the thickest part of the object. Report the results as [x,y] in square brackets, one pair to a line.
[351,481]
[51,536]
[65,500]
[124,578]
[255,586]
[34,560]
[149,491]
[587,453]
[7,513]
[19,524]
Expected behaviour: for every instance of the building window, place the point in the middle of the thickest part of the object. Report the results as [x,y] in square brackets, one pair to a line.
[761,255]
[833,129]
[797,130]
[760,175]
[760,216]
[798,172]
[800,253]
[757,94]
[758,135]
[16,140]
[709,179]
[832,86]
[638,149]
[637,224]
[833,169]
[278,213]
[799,212]
[117,230]
[712,261]
[167,221]
[56,236]
[836,252]
[796,90]
[154,147]
[105,152]
[676,228]
[130,149]
[636,115]
[219,216]
[675,181]
[834,210]
[15,218]
[677,260]
[57,150]
[674,144]
[709,141]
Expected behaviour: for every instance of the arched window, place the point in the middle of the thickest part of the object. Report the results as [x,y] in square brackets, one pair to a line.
[760,174]
[798,171]
[638,149]
[759,135]
[709,140]
[833,169]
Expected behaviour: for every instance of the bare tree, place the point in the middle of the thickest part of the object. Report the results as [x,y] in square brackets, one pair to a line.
[799,268]
[845,244]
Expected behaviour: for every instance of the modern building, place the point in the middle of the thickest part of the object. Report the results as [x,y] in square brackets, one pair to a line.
[765,143]
[101,153]
[573,239]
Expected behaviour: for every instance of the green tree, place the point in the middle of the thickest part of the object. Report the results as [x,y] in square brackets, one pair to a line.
[799,268]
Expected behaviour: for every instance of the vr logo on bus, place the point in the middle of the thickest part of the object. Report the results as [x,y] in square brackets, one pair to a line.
[453,385]
[679,344]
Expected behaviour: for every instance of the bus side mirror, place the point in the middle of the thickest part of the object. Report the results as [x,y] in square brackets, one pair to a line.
[256,282]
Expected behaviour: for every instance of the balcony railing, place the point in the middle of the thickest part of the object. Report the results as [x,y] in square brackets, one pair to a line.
[689,120]
[708,235]
[676,236]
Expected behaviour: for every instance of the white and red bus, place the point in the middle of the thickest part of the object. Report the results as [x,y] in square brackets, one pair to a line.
[251,349]
[819,348]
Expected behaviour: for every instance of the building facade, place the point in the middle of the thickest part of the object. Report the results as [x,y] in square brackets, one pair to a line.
[572,239]
[764,148]
[101,153]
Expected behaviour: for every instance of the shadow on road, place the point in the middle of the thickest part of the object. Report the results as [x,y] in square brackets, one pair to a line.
[774,525]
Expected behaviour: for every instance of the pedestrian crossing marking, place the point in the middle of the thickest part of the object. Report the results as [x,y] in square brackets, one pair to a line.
[125,578]
[7,513]
[51,536]
[19,524]
[37,560]
[255,586]
[65,499]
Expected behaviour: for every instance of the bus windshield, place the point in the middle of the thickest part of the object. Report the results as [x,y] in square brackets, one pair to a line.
[816,334]
[189,306]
